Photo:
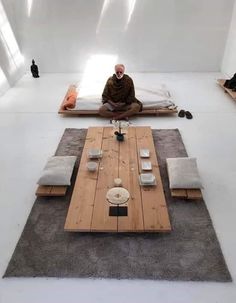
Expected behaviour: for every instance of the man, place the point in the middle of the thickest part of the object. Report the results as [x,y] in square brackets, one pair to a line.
[118,96]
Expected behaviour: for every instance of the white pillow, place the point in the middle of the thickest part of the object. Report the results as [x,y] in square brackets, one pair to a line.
[57,171]
[183,173]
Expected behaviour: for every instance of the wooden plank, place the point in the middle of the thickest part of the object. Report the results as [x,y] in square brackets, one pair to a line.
[155,213]
[229,91]
[129,173]
[58,190]
[179,193]
[44,191]
[81,206]
[101,221]
[194,194]
[95,112]
[186,193]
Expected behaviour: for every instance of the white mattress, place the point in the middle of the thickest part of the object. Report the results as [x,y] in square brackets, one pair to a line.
[151,100]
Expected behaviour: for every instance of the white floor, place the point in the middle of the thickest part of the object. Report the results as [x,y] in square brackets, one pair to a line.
[30,130]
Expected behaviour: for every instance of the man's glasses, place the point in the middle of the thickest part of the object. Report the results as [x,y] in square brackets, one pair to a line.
[119,73]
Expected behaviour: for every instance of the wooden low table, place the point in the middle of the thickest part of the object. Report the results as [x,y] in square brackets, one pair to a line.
[89,209]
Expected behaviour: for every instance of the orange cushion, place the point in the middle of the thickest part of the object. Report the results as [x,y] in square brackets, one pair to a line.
[70,100]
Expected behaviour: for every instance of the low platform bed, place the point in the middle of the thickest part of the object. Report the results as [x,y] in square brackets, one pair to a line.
[227,90]
[94,111]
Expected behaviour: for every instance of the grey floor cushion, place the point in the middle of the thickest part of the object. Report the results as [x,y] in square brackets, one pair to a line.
[183,173]
[57,171]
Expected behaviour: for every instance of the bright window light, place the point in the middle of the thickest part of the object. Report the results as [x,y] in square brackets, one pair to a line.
[4,85]
[9,42]
[29,7]
[97,71]
[105,6]
[126,4]
[3,79]
[130,7]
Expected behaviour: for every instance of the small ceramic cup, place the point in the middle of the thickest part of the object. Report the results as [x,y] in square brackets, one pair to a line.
[92,166]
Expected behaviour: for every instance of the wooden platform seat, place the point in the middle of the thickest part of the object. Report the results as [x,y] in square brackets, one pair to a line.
[227,90]
[189,194]
[56,176]
[51,191]
[184,178]
[94,112]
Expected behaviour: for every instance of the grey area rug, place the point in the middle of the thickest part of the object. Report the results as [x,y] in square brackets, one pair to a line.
[191,252]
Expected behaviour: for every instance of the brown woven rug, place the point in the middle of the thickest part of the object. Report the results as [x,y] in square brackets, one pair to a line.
[191,252]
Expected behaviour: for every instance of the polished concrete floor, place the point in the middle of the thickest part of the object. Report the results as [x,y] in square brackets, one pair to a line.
[30,130]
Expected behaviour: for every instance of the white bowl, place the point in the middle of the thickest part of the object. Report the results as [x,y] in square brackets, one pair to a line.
[94,153]
[146,165]
[144,153]
[92,166]
[147,178]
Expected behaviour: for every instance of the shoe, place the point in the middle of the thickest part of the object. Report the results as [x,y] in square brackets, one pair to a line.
[188,115]
[181,113]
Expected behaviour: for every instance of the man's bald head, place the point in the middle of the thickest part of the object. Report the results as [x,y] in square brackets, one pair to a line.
[119,70]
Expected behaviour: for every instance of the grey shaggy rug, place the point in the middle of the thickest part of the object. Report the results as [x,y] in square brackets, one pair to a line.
[191,252]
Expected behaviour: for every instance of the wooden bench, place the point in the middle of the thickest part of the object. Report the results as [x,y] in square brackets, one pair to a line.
[67,112]
[227,90]
[189,194]
[50,191]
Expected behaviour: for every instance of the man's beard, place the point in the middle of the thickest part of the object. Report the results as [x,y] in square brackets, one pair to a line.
[119,77]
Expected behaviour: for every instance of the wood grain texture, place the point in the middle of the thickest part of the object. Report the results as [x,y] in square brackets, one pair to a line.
[190,194]
[89,209]
[82,201]
[155,211]
[101,220]
[50,191]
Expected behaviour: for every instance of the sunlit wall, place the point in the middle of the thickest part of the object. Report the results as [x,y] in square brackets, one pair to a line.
[229,61]
[4,85]
[11,59]
[145,35]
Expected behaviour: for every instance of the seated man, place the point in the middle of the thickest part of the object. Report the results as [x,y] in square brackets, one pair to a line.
[118,96]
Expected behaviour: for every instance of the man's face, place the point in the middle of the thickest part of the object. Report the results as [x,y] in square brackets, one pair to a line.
[119,72]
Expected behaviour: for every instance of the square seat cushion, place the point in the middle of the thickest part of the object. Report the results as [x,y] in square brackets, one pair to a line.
[183,173]
[57,171]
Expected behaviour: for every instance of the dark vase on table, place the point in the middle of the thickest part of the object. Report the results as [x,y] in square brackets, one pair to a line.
[119,136]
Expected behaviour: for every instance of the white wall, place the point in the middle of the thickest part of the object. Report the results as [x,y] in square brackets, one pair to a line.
[11,59]
[229,60]
[162,35]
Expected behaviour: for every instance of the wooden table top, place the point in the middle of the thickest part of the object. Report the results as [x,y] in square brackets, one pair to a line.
[89,209]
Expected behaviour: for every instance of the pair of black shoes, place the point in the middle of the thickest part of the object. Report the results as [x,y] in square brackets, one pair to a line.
[182,113]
